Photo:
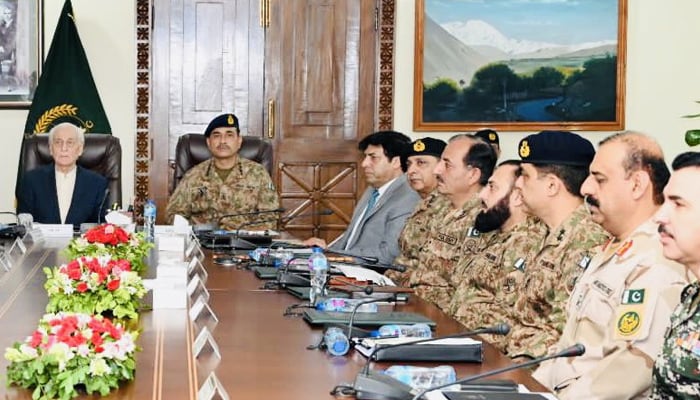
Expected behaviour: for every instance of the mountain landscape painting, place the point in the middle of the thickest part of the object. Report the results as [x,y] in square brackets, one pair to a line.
[520,64]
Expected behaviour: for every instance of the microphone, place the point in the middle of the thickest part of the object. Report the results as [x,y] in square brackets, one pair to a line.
[102,206]
[276,210]
[290,217]
[286,278]
[12,230]
[376,385]
[360,304]
[371,260]
[571,351]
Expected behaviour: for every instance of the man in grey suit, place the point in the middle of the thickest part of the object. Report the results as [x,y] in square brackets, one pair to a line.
[383,209]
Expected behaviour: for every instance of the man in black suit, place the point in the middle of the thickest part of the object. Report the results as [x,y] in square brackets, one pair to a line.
[63,192]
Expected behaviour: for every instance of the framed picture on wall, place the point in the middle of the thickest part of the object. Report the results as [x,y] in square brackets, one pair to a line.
[20,51]
[519,65]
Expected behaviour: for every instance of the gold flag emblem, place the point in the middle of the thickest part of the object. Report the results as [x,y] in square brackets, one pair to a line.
[230,119]
[524,149]
[419,146]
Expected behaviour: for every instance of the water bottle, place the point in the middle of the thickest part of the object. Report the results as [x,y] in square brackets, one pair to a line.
[416,330]
[337,343]
[422,377]
[149,219]
[345,305]
[318,264]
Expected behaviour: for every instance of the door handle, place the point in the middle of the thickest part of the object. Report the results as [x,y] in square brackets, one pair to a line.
[271,119]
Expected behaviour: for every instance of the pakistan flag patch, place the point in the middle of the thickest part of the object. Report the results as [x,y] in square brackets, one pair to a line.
[633,296]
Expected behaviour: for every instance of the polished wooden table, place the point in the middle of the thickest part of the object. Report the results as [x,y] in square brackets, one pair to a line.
[264,354]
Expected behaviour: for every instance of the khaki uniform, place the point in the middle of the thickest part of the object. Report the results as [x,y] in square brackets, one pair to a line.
[202,197]
[480,298]
[538,316]
[452,237]
[677,370]
[415,234]
[618,310]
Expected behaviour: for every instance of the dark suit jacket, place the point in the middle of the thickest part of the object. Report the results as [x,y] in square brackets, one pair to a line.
[38,196]
[378,234]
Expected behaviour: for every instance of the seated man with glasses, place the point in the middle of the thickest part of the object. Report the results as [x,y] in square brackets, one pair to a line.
[63,192]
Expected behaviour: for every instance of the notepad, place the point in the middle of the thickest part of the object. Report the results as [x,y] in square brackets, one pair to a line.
[315,317]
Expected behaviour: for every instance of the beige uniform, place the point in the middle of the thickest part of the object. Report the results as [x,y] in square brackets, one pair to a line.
[203,198]
[619,310]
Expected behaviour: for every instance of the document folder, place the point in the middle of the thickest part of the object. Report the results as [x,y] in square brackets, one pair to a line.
[445,350]
[315,317]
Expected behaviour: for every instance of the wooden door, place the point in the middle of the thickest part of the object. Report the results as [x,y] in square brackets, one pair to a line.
[319,87]
[301,72]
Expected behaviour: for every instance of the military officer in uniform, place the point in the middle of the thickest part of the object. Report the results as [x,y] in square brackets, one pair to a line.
[465,167]
[480,298]
[554,164]
[420,160]
[676,373]
[621,304]
[225,184]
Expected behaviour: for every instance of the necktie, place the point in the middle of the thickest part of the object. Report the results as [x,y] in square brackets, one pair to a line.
[372,200]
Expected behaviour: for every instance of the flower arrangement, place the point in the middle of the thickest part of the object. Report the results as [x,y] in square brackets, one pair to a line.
[94,285]
[111,240]
[69,350]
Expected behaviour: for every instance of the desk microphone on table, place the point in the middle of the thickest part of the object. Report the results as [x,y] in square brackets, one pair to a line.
[373,385]
[572,351]
[276,210]
[101,212]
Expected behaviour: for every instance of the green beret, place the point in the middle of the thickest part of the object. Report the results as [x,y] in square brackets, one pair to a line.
[556,147]
[222,121]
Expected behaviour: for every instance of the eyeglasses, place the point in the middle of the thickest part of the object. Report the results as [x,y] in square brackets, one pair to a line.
[68,143]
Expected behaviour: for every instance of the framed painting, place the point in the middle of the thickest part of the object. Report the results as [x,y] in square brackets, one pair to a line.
[21,24]
[514,65]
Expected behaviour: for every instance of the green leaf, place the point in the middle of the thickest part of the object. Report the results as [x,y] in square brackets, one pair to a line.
[691,116]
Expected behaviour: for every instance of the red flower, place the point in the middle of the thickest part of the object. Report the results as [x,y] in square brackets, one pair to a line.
[73,270]
[107,234]
[96,339]
[36,339]
[113,285]
[81,287]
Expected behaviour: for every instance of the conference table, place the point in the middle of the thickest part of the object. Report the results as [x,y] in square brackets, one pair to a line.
[264,354]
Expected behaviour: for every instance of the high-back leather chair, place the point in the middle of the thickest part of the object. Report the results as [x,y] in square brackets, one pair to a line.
[191,149]
[102,153]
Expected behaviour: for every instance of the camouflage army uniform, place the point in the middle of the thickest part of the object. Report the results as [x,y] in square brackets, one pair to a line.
[480,299]
[538,316]
[415,234]
[452,236]
[618,310]
[677,369]
[202,197]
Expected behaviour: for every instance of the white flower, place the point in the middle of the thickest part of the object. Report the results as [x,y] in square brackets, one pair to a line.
[83,350]
[99,367]
[62,353]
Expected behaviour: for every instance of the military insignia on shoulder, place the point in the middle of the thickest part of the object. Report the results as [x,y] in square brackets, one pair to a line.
[584,262]
[418,145]
[629,323]
[624,248]
[633,296]
[524,150]
[519,264]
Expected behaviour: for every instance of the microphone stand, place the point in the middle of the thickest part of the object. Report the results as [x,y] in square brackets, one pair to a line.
[374,385]
[572,351]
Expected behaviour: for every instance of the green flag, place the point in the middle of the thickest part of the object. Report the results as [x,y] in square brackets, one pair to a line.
[66,91]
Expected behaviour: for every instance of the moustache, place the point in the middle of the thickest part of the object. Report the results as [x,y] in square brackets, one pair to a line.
[592,201]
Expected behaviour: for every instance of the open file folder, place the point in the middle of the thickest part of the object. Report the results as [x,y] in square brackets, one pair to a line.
[449,350]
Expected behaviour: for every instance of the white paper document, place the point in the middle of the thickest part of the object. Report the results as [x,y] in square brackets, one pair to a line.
[363,274]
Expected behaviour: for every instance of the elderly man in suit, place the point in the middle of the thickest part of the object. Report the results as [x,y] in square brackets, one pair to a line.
[63,192]
[383,209]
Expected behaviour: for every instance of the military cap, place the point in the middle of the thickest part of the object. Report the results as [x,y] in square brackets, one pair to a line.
[489,135]
[222,121]
[556,147]
[426,146]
